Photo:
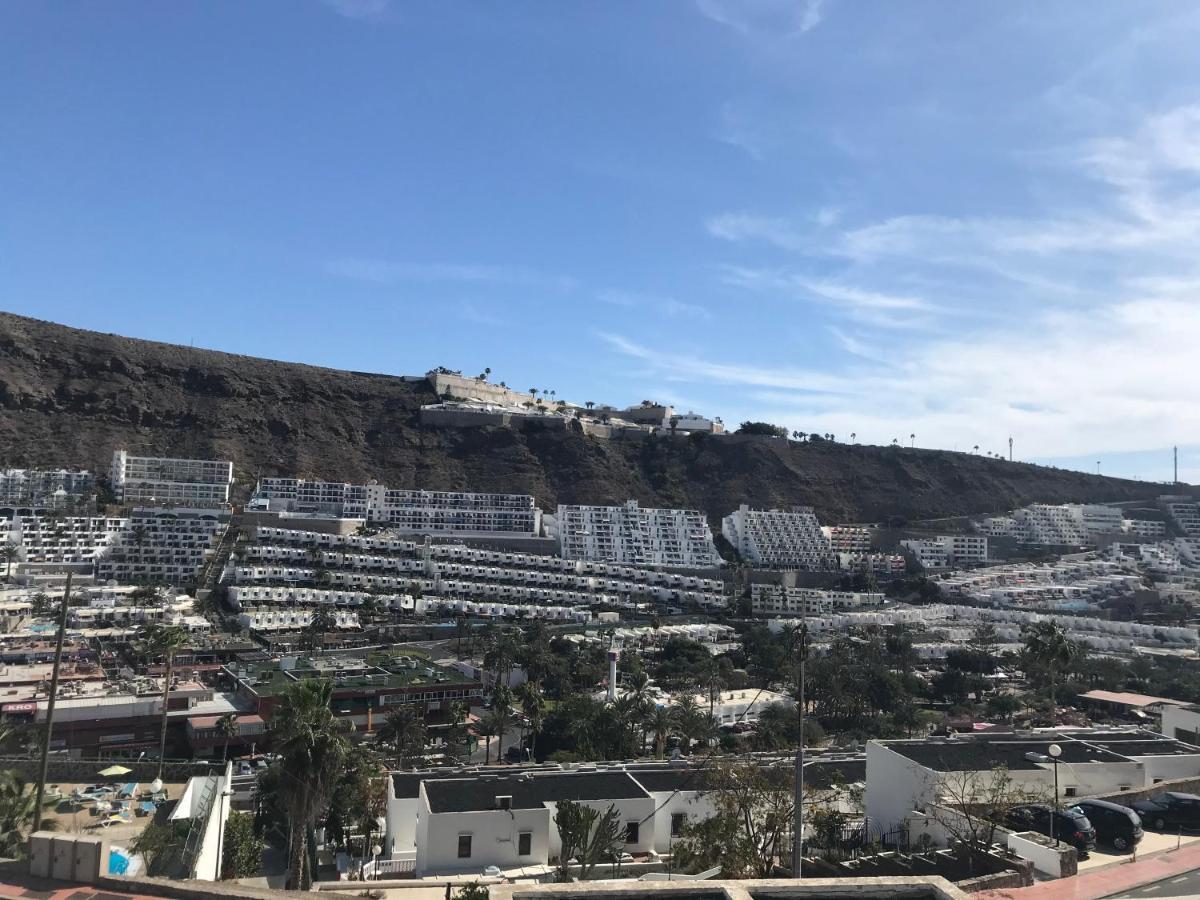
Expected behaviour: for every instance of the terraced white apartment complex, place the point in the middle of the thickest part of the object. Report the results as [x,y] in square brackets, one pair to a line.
[946,550]
[277,563]
[779,539]
[1065,525]
[150,545]
[405,511]
[167,481]
[634,535]
[44,488]
[1185,512]
[776,600]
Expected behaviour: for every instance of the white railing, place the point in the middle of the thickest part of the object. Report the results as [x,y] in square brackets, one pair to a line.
[379,869]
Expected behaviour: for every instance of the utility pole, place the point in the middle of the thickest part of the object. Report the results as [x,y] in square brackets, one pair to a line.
[1010,448]
[798,800]
[1176,451]
[58,648]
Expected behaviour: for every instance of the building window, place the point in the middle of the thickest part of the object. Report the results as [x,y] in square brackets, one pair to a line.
[1069,791]
[464,846]
[631,832]
[524,843]
[677,823]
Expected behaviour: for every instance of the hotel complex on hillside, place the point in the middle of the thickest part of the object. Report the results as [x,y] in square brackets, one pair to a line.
[779,540]
[405,511]
[636,535]
[166,481]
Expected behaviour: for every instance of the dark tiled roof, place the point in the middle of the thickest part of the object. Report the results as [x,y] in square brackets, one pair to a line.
[531,792]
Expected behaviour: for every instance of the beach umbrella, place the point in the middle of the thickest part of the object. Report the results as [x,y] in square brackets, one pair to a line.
[115,770]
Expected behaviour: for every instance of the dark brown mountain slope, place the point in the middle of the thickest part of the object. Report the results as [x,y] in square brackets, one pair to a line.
[68,397]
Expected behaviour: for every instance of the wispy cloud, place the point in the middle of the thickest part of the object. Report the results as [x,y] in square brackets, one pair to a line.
[380,271]
[1057,382]
[770,18]
[666,306]
[362,10]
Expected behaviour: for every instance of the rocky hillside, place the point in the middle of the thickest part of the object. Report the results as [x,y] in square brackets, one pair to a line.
[68,397]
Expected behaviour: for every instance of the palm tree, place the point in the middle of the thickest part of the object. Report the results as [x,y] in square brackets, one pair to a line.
[661,723]
[313,748]
[8,553]
[589,404]
[502,696]
[533,707]
[164,640]
[976,448]
[18,800]
[404,729]
[486,728]
[1047,645]
[227,727]
[853,435]
[912,440]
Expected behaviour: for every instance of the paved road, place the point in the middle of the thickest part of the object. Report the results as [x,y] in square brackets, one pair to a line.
[1186,885]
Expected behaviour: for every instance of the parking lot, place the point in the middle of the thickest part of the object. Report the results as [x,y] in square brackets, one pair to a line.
[1153,842]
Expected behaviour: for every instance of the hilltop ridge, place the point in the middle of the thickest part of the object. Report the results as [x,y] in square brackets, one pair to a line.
[69,396]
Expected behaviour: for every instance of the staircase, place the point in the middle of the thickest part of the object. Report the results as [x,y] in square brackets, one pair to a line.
[210,577]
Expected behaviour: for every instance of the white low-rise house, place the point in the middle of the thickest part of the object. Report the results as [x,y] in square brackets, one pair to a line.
[908,775]
[779,539]
[741,707]
[632,534]
[168,481]
[266,619]
[465,825]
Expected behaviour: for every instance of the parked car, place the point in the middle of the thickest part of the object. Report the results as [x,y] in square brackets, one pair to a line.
[1117,826]
[1170,809]
[1070,824]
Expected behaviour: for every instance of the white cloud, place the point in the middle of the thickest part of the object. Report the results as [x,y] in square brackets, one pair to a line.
[666,306]
[767,18]
[361,10]
[380,271]
[1062,383]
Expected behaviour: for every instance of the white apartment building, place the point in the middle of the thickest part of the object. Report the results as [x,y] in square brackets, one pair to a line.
[635,535]
[167,481]
[154,545]
[405,511]
[848,538]
[1065,525]
[777,601]
[885,564]
[1066,583]
[778,539]
[946,550]
[1147,528]
[1185,512]
[44,488]
[391,566]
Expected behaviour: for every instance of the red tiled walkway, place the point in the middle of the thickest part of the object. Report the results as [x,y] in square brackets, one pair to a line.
[1118,878]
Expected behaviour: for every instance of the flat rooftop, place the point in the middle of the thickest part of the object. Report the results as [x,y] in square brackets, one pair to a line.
[268,677]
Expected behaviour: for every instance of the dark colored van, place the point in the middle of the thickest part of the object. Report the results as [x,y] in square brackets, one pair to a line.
[1117,826]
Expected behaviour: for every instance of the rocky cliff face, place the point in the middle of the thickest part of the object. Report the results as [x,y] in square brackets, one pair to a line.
[69,397]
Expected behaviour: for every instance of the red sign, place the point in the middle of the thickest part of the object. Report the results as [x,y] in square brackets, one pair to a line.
[19,708]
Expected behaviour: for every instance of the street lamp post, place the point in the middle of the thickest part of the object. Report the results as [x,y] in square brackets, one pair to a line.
[375,851]
[798,802]
[1055,752]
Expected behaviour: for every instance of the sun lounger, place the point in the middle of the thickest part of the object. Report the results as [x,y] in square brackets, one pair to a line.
[128,790]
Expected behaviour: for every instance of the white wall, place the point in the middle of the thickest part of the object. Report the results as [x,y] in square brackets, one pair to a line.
[1047,860]
[692,804]
[1165,768]
[895,786]
[400,839]
[493,840]
[1176,717]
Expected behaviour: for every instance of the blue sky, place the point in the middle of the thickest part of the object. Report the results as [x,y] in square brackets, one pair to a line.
[962,221]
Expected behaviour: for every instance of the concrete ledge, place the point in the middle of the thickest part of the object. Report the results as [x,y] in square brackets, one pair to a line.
[912,888]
